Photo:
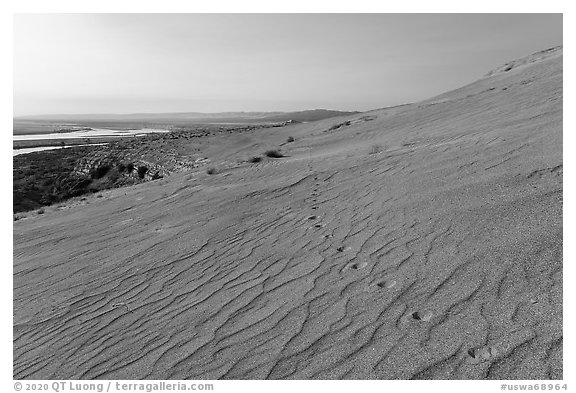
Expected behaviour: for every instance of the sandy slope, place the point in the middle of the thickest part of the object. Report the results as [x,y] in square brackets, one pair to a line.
[424,243]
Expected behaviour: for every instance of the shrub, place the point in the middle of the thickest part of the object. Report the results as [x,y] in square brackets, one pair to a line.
[100,172]
[273,154]
[113,175]
[142,171]
[290,139]
[255,159]
[45,200]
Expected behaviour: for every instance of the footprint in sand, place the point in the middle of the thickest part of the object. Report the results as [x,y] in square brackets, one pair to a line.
[356,266]
[421,316]
[387,284]
[381,285]
[482,354]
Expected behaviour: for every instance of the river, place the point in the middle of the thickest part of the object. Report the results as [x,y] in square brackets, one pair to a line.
[88,134]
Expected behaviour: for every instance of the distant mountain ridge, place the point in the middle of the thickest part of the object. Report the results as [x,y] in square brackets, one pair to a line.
[197,117]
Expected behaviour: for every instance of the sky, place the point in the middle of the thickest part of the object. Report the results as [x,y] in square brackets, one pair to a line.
[137,63]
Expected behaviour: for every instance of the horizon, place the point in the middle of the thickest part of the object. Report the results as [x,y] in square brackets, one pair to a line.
[218,63]
[182,113]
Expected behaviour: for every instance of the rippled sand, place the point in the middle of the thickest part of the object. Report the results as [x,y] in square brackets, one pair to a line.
[422,241]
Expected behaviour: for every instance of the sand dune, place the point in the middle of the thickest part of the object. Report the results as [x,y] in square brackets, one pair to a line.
[422,241]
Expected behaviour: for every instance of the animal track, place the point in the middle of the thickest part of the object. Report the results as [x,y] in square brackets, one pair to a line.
[358,265]
[483,354]
[418,316]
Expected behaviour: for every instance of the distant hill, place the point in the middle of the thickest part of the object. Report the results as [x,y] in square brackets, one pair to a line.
[310,115]
[192,117]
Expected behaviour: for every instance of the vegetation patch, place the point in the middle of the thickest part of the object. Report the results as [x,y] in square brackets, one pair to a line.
[49,177]
[142,171]
[337,126]
[273,154]
[100,172]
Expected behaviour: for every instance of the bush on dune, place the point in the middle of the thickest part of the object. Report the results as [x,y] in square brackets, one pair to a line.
[273,154]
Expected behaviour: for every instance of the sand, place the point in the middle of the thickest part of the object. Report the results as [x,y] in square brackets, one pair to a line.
[417,242]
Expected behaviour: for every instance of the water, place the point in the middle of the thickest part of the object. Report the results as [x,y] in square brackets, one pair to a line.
[17,152]
[93,133]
